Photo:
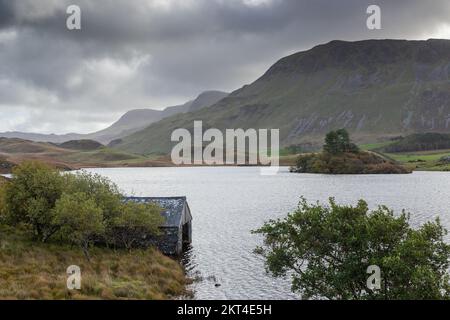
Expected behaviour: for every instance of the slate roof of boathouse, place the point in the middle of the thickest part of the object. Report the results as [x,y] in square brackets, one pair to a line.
[172,208]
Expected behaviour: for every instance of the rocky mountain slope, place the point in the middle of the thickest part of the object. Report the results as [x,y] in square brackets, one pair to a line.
[374,88]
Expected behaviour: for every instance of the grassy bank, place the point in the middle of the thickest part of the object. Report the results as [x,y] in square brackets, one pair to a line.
[50,221]
[31,270]
[69,156]
[414,160]
[423,160]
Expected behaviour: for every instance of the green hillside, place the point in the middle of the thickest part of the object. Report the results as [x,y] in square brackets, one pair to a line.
[420,142]
[419,151]
[375,89]
[81,145]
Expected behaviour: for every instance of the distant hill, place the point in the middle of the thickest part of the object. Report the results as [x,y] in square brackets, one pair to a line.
[136,120]
[207,99]
[129,123]
[374,88]
[21,146]
[419,142]
[133,121]
[82,145]
[69,155]
[38,137]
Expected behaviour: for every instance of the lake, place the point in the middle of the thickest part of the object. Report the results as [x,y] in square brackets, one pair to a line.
[228,202]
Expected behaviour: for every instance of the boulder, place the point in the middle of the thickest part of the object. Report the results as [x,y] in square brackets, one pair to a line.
[445,159]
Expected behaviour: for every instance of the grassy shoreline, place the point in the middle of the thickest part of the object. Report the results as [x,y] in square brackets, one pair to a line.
[416,161]
[30,270]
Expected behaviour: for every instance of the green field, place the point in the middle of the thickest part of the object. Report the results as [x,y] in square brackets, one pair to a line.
[374,146]
[425,161]
[417,160]
[419,156]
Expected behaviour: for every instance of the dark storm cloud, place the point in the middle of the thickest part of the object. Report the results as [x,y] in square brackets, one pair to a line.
[6,13]
[134,54]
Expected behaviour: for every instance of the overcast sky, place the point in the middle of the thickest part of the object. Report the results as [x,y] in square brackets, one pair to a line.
[157,53]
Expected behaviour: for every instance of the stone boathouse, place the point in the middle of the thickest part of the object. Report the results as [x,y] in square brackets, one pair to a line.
[177,229]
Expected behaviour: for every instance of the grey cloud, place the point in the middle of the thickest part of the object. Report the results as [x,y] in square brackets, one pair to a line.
[6,13]
[132,55]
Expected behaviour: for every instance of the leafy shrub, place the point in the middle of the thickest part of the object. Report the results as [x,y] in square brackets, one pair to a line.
[327,250]
[80,220]
[80,208]
[304,163]
[105,193]
[3,210]
[30,197]
[135,223]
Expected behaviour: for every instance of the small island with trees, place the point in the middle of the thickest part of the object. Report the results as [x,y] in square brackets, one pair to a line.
[341,156]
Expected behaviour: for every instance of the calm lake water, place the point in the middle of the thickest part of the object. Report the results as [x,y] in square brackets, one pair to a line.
[227,203]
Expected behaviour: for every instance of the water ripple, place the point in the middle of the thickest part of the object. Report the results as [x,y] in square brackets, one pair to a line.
[227,203]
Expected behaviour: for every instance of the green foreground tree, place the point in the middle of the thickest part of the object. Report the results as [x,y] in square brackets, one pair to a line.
[80,220]
[328,249]
[30,197]
[80,208]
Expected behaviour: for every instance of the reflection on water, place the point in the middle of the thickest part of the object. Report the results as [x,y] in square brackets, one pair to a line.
[188,260]
[227,203]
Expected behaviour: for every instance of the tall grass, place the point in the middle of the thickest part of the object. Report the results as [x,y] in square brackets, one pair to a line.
[30,270]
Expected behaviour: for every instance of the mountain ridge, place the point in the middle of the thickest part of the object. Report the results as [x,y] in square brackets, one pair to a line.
[130,122]
[374,88]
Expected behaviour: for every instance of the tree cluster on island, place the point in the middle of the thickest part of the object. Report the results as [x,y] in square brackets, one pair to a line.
[341,156]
